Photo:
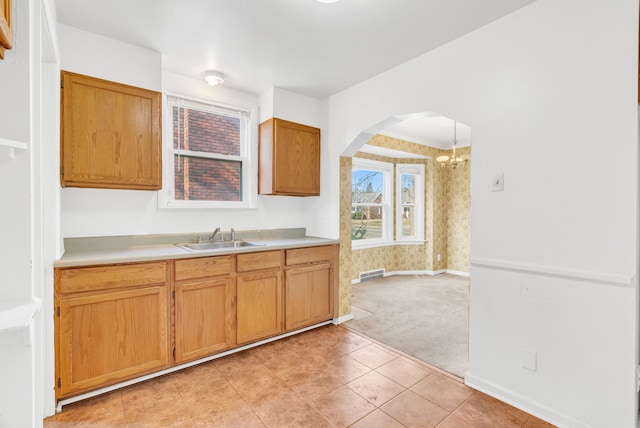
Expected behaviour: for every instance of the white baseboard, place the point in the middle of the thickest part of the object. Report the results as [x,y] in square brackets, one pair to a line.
[457,272]
[343,318]
[523,403]
[419,272]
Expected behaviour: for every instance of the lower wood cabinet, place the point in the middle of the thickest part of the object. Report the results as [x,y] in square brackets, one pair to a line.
[204,318]
[107,336]
[204,307]
[308,295]
[118,322]
[259,305]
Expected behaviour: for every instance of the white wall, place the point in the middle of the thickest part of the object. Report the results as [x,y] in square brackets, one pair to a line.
[99,212]
[23,256]
[550,93]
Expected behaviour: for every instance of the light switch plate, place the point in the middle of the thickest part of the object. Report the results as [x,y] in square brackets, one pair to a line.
[497,182]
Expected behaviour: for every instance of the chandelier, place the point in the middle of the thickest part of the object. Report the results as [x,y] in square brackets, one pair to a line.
[454,161]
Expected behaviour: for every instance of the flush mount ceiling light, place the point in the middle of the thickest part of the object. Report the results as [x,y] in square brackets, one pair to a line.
[453,161]
[327,1]
[213,77]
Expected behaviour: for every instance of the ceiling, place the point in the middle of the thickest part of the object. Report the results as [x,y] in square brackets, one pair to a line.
[303,46]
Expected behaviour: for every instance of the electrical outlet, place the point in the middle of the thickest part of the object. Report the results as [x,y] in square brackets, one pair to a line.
[438,257]
[530,360]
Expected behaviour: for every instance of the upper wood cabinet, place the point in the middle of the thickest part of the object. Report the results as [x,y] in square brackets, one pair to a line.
[110,135]
[5,26]
[289,159]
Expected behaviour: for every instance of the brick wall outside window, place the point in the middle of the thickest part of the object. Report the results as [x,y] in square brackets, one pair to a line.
[201,178]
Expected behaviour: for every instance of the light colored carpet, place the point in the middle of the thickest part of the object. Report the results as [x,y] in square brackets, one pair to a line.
[424,316]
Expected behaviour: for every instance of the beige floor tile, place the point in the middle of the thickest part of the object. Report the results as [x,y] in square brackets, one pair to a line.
[242,417]
[345,368]
[376,388]
[237,363]
[343,407]
[413,411]
[202,398]
[481,411]
[377,419]
[105,410]
[316,384]
[403,372]
[443,391]
[534,422]
[372,356]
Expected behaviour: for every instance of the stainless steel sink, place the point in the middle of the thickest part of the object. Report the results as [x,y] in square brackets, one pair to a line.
[217,245]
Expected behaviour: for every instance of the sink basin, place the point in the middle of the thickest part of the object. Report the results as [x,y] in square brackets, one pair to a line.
[217,245]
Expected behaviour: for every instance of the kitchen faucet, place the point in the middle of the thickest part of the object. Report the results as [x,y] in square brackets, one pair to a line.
[213,235]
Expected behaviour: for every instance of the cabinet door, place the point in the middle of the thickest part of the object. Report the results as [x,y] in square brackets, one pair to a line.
[204,318]
[289,159]
[110,135]
[259,305]
[107,337]
[308,296]
[5,26]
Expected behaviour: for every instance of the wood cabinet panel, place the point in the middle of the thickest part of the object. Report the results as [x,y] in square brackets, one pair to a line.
[110,134]
[309,255]
[108,337]
[261,260]
[73,280]
[308,295]
[259,305]
[205,318]
[289,159]
[202,267]
[5,26]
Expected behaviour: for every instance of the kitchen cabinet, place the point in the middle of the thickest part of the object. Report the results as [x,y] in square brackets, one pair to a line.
[289,159]
[5,26]
[112,324]
[259,296]
[204,307]
[121,321]
[110,134]
[309,286]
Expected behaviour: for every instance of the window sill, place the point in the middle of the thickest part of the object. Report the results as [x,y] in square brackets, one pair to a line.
[385,244]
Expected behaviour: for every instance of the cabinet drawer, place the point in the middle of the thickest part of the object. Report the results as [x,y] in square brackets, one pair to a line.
[309,255]
[261,260]
[199,268]
[110,277]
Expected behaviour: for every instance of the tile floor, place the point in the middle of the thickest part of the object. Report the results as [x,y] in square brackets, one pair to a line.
[327,377]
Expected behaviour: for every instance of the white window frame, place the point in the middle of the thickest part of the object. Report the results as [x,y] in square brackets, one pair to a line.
[248,153]
[386,204]
[418,171]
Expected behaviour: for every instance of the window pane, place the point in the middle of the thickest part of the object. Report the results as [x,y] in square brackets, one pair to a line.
[199,179]
[205,132]
[408,220]
[366,186]
[408,188]
[366,222]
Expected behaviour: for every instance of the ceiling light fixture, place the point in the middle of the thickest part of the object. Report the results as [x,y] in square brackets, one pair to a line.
[327,1]
[454,161]
[213,77]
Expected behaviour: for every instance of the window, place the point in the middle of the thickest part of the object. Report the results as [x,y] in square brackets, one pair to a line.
[207,156]
[409,202]
[371,202]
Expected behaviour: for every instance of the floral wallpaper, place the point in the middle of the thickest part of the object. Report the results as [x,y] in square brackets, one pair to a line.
[447,220]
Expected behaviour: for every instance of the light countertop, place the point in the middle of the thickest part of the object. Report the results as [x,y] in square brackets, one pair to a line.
[140,248]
